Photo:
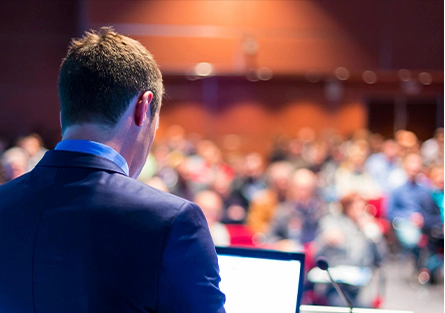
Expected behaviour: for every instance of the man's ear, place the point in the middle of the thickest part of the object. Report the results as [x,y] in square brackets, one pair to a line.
[142,107]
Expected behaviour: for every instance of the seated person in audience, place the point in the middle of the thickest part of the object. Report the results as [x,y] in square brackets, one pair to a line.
[376,142]
[212,206]
[352,176]
[296,153]
[296,221]
[349,238]
[433,230]
[326,176]
[317,155]
[436,176]
[250,180]
[206,165]
[263,205]
[33,144]
[234,212]
[15,162]
[406,204]
[386,166]
[432,149]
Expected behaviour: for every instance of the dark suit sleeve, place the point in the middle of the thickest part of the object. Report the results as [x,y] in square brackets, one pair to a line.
[189,276]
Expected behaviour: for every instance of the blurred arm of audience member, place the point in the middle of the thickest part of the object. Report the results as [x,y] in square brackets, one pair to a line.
[333,236]
[261,211]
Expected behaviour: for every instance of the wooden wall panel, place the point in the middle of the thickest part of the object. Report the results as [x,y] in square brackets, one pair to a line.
[293,37]
[257,125]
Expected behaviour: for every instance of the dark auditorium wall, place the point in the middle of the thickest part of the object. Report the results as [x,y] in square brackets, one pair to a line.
[300,41]
[34,37]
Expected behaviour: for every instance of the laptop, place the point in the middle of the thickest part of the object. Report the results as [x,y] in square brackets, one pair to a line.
[260,281]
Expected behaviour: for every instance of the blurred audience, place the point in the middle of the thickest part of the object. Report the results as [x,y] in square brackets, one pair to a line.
[387,189]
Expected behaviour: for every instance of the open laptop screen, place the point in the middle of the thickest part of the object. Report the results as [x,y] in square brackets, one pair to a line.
[260,281]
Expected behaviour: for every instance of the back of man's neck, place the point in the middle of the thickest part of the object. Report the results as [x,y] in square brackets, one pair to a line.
[91,132]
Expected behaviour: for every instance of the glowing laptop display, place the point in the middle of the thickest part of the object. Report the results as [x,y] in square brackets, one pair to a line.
[261,280]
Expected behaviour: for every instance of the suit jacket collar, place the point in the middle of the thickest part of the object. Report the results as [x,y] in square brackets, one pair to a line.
[68,159]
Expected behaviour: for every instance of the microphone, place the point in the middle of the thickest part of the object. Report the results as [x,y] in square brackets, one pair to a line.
[322,263]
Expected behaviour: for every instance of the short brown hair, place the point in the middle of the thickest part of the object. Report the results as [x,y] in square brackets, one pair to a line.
[102,72]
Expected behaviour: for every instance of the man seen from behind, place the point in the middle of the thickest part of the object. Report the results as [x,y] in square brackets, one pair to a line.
[79,233]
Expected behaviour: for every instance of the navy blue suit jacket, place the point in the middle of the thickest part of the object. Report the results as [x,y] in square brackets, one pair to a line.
[77,235]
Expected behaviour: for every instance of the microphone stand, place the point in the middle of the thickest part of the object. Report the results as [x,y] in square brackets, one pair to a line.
[323,265]
[340,292]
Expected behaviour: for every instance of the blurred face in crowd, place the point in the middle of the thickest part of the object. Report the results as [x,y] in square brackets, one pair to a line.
[439,136]
[437,177]
[31,144]
[357,156]
[303,185]
[376,143]
[211,205]
[412,165]
[222,184]
[408,142]
[209,152]
[296,147]
[318,153]
[278,175]
[391,149]
[15,161]
[253,165]
[354,206]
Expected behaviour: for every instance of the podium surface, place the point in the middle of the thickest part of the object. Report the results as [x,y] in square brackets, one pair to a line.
[336,309]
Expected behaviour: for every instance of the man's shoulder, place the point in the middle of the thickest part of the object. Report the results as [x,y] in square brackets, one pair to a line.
[135,190]
[8,186]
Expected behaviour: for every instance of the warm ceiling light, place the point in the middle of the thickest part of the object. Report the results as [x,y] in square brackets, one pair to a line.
[252,75]
[404,75]
[342,73]
[369,77]
[264,73]
[203,69]
[425,78]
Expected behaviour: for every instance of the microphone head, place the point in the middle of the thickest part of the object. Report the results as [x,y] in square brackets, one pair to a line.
[322,263]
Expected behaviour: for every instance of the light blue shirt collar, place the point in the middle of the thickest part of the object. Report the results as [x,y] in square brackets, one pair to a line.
[95,148]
